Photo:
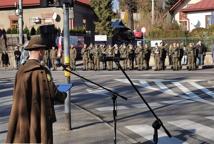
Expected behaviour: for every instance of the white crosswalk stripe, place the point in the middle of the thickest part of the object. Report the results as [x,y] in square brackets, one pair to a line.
[177,101]
[191,95]
[188,94]
[153,105]
[110,108]
[205,90]
[147,131]
[6,89]
[196,128]
[6,83]
[210,117]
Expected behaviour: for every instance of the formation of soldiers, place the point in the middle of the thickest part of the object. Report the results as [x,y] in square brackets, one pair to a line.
[128,55]
[138,57]
[102,57]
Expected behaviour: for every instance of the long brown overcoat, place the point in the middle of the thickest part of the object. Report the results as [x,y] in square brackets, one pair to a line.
[32,113]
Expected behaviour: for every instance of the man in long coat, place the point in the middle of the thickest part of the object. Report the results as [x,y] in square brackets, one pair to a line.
[32,113]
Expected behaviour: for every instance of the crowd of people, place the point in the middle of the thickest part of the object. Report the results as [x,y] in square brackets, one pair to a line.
[131,57]
[97,57]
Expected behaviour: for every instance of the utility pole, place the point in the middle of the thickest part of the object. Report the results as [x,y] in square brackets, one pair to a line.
[66,41]
[153,11]
[20,12]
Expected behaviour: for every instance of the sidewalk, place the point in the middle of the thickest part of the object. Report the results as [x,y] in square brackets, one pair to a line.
[86,129]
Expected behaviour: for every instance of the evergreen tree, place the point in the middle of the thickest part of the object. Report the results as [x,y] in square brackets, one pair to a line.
[103,10]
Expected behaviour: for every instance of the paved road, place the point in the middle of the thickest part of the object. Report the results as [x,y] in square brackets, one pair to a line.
[182,100]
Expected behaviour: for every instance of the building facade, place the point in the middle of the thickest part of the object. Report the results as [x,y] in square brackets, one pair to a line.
[192,14]
[34,15]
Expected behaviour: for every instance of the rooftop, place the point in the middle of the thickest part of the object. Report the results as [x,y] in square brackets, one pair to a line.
[26,3]
[203,5]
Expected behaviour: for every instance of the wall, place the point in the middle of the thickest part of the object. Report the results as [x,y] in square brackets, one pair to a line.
[197,19]
[80,13]
[183,5]
[28,15]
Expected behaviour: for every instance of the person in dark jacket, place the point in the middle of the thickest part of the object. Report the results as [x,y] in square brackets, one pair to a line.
[5,59]
[32,114]
[17,55]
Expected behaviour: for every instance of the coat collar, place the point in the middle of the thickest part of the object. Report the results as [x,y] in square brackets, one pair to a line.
[32,64]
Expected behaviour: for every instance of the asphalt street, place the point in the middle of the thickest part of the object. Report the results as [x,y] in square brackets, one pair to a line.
[183,101]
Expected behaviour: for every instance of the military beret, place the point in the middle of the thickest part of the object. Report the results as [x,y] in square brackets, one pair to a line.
[35,43]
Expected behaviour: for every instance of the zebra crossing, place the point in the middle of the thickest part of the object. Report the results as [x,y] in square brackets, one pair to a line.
[185,92]
[171,88]
[198,131]
[163,86]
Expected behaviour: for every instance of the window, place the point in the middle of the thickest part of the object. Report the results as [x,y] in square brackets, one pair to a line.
[13,21]
[14,24]
[209,19]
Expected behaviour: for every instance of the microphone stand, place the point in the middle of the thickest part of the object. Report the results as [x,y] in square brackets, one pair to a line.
[114,98]
[158,123]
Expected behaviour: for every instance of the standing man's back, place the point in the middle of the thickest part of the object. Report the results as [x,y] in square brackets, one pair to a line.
[32,113]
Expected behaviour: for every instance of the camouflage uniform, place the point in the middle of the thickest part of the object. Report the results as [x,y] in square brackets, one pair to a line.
[84,53]
[170,53]
[191,53]
[124,55]
[163,53]
[116,54]
[131,57]
[110,55]
[175,57]
[91,57]
[139,57]
[96,54]
[53,57]
[103,56]
[157,57]
[146,57]
[73,55]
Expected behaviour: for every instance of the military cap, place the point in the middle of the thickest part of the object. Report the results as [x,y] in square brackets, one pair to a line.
[35,43]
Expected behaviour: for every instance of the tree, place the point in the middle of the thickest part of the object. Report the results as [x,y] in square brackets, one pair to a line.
[132,8]
[103,10]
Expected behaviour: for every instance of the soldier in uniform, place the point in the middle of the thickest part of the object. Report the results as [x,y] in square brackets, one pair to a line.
[73,55]
[163,53]
[191,53]
[110,55]
[84,53]
[156,52]
[124,55]
[181,53]
[116,54]
[53,57]
[139,57]
[170,53]
[91,57]
[103,56]
[175,57]
[131,56]
[146,56]
[96,54]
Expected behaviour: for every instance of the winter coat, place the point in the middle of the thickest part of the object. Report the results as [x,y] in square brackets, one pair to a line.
[32,113]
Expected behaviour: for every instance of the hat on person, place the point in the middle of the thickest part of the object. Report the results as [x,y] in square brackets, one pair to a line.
[35,43]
